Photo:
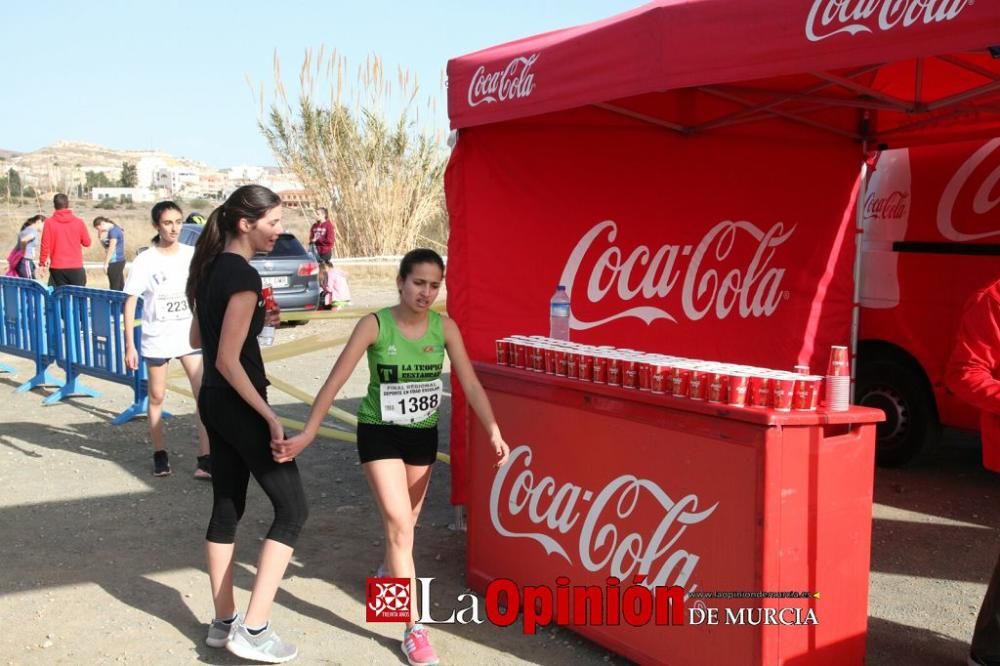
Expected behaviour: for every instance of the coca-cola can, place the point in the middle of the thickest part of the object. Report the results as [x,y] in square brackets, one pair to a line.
[572,361]
[759,391]
[645,374]
[538,357]
[806,396]
[630,373]
[520,354]
[614,370]
[698,384]
[680,380]
[738,385]
[549,352]
[659,382]
[599,372]
[718,387]
[502,351]
[585,365]
[560,357]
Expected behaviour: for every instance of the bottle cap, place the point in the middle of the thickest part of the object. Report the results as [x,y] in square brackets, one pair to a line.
[561,286]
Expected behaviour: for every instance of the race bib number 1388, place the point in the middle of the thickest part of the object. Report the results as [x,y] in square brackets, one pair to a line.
[409,402]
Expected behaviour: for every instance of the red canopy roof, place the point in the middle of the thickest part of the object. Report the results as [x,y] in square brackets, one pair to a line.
[893,71]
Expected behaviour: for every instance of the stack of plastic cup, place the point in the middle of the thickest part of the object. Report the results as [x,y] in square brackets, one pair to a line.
[838,380]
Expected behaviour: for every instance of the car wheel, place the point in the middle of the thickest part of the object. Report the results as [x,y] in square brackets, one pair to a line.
[910,413]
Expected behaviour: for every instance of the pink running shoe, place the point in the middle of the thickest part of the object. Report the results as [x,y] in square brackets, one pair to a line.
[417,647]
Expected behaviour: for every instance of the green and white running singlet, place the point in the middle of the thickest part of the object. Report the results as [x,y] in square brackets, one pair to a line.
[405,386]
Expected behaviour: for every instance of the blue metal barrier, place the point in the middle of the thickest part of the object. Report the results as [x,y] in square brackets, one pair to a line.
[27,329]
[92,342]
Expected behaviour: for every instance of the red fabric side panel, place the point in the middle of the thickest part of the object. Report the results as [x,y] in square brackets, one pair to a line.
[710,247]
[459,297]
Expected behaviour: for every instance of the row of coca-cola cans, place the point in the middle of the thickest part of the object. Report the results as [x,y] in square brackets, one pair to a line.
[679,377]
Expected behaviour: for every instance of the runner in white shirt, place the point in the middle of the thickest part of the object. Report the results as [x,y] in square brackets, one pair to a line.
[159,276]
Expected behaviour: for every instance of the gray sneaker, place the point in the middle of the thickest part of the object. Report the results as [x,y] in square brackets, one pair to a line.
[218,632]
[265,646]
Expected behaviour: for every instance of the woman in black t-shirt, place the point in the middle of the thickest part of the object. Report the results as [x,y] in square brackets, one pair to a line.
[224,292]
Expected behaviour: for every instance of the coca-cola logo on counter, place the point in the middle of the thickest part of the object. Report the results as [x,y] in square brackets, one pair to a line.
[985,195]
[710,285]
[831,17]
[890,207]
[513,81]
[603,519]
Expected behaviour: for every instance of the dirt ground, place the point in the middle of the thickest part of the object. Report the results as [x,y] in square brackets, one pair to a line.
[102,563]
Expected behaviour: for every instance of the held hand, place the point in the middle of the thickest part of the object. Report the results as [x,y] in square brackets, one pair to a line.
[277,429]
[501,448]
[272,317]
[131,358]
[285,450]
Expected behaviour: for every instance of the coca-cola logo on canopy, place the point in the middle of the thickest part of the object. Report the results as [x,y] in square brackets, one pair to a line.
[515,80]
[526,505]
[971,195]
[709,279]
[832,17]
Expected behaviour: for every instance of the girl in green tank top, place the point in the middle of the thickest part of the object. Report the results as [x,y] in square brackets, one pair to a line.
[405,345]
[404,385]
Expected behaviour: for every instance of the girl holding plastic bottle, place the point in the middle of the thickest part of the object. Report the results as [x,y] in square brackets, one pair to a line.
[225,293]
[397,420]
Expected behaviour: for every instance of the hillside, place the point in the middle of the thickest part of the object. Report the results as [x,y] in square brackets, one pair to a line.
[75,154]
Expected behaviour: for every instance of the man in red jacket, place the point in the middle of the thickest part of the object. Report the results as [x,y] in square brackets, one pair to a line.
[973,374]
[63,238]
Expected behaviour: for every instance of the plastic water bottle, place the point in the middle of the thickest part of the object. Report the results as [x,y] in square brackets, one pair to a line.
[266,337]
[559,314]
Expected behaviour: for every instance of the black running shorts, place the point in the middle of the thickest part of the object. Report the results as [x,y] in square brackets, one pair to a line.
[415,446]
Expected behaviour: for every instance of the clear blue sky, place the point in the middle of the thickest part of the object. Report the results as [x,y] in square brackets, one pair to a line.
[171,74]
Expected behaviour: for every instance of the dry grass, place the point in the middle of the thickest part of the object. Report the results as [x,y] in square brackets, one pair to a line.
[377,169]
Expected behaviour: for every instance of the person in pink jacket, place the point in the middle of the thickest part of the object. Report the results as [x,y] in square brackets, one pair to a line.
[973,374]
[63,238]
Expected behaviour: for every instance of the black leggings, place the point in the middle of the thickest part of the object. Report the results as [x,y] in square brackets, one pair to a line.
[116,275]
[240,443]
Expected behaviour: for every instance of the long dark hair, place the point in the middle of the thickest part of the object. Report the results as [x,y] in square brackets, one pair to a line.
[157,212]
[250,202]
[31,220]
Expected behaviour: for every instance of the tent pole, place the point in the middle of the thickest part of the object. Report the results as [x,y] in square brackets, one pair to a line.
[859,219]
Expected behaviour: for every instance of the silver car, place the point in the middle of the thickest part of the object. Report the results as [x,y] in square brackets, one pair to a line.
[289,269]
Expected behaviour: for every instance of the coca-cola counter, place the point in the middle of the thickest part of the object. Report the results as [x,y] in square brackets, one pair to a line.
[654,491]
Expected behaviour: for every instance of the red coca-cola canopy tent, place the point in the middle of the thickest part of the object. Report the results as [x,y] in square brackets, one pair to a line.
[687,169]
[920,67]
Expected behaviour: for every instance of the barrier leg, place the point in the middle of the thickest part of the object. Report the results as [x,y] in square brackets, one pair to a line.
[73,387]
[136,409]
[5,368]
[43,378]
